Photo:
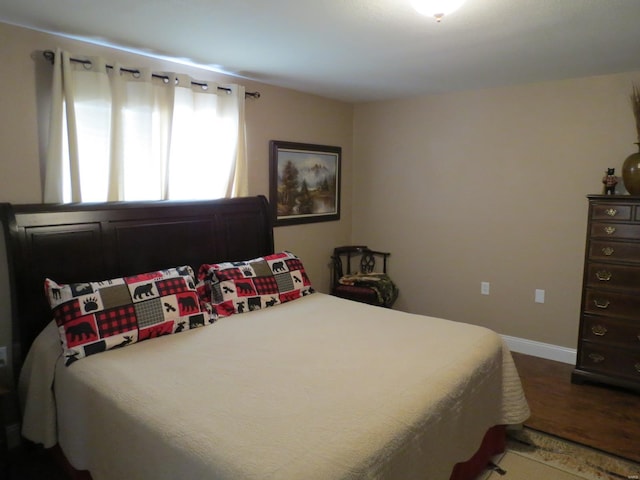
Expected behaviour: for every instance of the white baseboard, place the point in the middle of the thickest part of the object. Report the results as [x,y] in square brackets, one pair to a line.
[542,350]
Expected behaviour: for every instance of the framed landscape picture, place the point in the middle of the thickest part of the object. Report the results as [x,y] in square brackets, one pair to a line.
[304,182]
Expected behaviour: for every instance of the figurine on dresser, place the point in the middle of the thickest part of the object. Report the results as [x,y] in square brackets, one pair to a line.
[610,181]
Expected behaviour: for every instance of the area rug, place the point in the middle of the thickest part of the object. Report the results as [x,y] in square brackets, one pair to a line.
[550,457]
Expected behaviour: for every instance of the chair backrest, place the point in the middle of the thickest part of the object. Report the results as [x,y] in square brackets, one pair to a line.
[344,257]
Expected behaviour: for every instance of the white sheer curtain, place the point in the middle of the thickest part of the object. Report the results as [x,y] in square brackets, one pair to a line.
[116,136]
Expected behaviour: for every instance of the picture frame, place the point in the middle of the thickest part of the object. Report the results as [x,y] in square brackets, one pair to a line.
[304,182]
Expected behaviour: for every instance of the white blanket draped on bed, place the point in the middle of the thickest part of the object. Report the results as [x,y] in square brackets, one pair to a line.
[318,388]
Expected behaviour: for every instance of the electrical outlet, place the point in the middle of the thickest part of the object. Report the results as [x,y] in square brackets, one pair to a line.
[3,357]
[484,288]
[539,296]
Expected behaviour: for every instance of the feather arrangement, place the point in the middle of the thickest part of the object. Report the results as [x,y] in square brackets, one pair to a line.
[635,104]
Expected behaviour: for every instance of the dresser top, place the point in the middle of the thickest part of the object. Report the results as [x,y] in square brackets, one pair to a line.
[615,198]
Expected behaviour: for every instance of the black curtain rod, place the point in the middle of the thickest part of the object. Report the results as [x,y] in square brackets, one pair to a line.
[50,55]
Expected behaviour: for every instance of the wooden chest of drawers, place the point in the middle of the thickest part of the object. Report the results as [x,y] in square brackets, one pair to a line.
[609,338]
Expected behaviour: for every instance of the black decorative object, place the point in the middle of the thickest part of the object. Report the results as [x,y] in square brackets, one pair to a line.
[610,181]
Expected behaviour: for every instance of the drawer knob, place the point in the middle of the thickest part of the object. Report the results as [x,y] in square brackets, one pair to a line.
[612,212]
[596,357]
[608,251]
[601,303]
[603,275]
[609,230]
[599,330]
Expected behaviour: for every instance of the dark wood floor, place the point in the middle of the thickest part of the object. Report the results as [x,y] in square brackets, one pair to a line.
[602,417]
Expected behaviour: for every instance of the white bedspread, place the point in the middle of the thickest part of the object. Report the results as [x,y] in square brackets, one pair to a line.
[318,388]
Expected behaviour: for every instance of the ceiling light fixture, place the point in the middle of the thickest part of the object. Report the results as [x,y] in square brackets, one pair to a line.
[436,8]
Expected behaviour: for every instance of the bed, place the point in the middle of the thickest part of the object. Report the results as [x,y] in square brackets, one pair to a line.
[302,385]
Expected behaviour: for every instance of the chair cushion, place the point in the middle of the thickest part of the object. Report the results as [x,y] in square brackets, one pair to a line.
[360,294]
[379,285]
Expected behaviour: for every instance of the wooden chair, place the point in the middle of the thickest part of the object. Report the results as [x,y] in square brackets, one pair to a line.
[355,276]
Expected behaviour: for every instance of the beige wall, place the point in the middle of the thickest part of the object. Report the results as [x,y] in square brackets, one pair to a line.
[490,186]
[476,186]
[279,114]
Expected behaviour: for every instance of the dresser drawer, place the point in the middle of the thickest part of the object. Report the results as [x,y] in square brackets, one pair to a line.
[611,212]
[610,361]
[604,275]
[610,331]
[615,230]
[614,251]
[611,304]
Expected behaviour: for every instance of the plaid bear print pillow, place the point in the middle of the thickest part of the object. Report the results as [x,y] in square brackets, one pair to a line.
[96,316]
[238,287]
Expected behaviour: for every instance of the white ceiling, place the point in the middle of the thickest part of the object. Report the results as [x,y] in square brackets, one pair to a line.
[359,50]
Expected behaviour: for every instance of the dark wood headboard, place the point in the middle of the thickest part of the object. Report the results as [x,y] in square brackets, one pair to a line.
[92,242]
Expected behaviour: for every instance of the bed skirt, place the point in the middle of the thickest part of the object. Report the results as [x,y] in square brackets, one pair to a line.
[493,443]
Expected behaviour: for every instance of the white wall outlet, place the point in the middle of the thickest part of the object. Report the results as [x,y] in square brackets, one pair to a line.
[484,288]
[3,357]
[539,297]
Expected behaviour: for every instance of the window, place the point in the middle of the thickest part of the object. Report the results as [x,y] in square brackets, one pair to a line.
[122,134]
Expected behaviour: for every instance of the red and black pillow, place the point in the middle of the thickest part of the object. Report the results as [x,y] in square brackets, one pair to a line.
[237,287]
[96,316]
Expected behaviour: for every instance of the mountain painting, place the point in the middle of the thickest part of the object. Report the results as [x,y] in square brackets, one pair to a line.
[307,184]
